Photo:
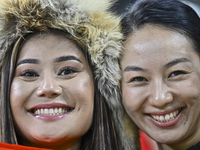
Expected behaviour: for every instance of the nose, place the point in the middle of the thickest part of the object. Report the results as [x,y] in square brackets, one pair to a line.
[160,95]
[49,87]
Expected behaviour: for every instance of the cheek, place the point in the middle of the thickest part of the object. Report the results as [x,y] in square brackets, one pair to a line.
[83,90]
[17,93]
[189,91]
[83,93]
[131,99]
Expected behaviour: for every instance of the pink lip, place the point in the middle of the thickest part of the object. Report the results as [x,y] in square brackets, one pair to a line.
[166,124]
[162,113]
[49,117]
[50,105]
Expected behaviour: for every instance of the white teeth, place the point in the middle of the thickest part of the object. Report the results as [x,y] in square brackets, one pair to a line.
[157,117]
[56,110]
[42,111]
[36,112]
[171,115]
[51,111]
[60,110]
[162,119]
[167,117]
[46,111]
[174,113]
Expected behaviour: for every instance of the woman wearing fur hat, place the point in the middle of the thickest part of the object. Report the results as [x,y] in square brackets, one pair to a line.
[59,76]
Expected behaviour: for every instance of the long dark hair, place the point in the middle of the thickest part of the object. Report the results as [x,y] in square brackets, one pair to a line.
[171,14]
[102,134]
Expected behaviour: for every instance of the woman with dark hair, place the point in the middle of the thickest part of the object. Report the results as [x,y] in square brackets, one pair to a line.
[59,76]
[161,72]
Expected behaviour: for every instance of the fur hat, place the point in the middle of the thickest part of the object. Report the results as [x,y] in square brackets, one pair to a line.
[90,23]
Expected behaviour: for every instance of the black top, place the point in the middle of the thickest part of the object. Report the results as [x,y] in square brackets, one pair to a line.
[195,147]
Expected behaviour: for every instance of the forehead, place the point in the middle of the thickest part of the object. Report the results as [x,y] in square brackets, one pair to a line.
[155,36]
[50,45]
[153,42]
[156,39]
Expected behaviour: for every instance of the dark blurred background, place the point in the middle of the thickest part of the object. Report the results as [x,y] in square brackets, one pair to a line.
[121,5]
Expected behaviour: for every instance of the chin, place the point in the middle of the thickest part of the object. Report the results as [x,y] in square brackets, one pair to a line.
[166,140]
[46,139]
[44,142]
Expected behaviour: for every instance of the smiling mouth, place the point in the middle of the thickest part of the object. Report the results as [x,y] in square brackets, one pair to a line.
[51,111]
[167,117]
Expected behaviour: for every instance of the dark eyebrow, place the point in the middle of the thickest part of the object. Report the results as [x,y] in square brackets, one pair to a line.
[176,61]
[134,68]
[29,61]
[66,58]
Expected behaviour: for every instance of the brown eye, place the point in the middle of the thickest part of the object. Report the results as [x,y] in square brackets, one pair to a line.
[29,73]
[177,73]
[67,71]
[138,79]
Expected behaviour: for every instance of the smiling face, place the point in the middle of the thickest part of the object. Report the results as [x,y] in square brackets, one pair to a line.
[52,92]
[161,85]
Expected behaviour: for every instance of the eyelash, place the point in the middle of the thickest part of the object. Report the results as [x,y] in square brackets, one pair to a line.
[138,79]
[178,72]
[29,73]
[32,73]
[69,70]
